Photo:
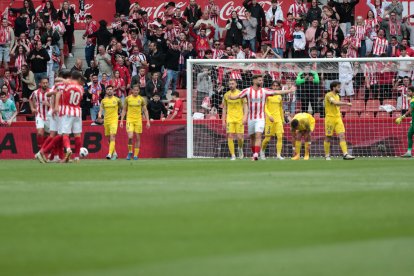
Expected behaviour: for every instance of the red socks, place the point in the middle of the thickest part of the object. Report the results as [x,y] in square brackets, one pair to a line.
[255,149]
[66,141]
[39,140]
[78,145]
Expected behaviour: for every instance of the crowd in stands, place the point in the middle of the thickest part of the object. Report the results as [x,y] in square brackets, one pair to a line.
[136,50]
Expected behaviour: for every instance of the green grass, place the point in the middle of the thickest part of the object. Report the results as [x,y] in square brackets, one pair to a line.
[207,217]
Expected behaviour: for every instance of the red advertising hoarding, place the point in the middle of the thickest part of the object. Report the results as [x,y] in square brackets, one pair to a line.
[365,137]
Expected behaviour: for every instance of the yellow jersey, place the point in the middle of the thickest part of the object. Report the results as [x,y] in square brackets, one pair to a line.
[306,121]
[111,106]
[332,110]
[134,104]
[274,108]
[234,107]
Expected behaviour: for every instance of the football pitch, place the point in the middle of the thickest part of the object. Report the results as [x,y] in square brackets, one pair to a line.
[177,217]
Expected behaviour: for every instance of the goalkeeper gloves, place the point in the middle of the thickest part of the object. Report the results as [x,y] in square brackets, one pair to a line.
[399,120]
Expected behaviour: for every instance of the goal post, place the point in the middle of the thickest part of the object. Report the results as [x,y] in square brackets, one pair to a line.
[376,87]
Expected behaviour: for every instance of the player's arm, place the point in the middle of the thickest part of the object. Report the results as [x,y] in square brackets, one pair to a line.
[224,112]
[123,113]
[281,112]
[245,112]
[144,108]
[339,103]
[57,102]
[32,105]
[238,96]
[281,92]
[408,113]
[101,110]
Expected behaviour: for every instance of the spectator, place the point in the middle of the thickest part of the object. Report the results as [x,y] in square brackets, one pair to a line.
[52,33]
[274,14]
[48,12]
[102,35]
[314,13]
[67,16]
[298,10]
[380,44]
[20,25]
[28,9]
[122,7]
[159,39]
[202,41]
[156,109]
[361,33]
[91,71]
[6,42]
[404,67]
[213,11]
[103,60]
[91,27]
[192,12]
[178,107]
[346,74]
[7,109]
[323,44]
[289,26]
[351,44]
[205,23]
[393,27]
[20,58]
[60,29]
[53,63]
[141,80]
[123,71]
[77,66]
[299,42]
[234,28]
[38,59]
[409,29]
[330,72]
[155,59]
[12,95]
[345,11]
[118,85]
[217,52]
[403,100]
[410,51]
[257,12]
[395,7]
[119,52]
[154,86]
[137,60]
[249,30]
[289,101]
[313,34]
[97,91]
[171,65]
[393,47]
[238,53]
[8,81]
[204,87]
[308,89]
[371,81]
[335,32]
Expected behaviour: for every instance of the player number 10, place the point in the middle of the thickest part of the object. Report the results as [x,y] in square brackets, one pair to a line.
[74,97]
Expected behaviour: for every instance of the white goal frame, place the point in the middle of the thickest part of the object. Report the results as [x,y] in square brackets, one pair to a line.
[190,80]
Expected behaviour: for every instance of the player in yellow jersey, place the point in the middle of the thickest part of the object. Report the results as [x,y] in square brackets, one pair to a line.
[302,126]
[110,106]
[234,117]
[333,121]
[274,122]
[134,106]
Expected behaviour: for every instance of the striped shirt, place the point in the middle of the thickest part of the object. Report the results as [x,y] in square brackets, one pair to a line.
[360,32]
[370,73]
[256,100]
[217,54]
[71,99]
[279,38]
[405,100]
[380,46]
[41,101]
[298,10]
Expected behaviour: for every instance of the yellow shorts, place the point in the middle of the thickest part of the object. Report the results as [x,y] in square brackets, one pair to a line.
[111,128]
[135,126]
[272,129]
[334,125]
[235,128]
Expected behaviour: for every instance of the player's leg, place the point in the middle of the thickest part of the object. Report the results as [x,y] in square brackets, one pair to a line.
[269,132]
[231,130]
[138,132]
[240,139]
[78,145]
[250,130]
[258,132]
[279,142]
[40,129]
[340,129]
[410,141]
[114,131]
[298,146]
[307,145]
[329,128]
[130,133]
[66,131]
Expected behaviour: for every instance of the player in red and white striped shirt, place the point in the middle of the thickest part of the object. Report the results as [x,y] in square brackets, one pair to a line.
[70,112]
[380,44]
[256,100]
[403,93]
[39,104]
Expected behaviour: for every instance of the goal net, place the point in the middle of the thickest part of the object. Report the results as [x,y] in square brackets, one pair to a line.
[376,87]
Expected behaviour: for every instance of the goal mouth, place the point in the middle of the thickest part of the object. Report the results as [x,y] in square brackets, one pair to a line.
[377,88]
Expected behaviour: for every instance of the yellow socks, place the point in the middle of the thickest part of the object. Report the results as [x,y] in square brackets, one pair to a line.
[279,145]
[307,147]
[265,143]
[240,143]
[327,147]
[298,146]
[231,146]
[343,146]
[136,151]
[111,147]
[129,148]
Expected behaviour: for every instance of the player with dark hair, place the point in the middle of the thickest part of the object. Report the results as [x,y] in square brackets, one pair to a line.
[410,132]
[302,126]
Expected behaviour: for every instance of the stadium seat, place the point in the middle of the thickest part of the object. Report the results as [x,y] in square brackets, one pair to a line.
[317,115]
[351,115]
[383,114]
[358,106]
[390,102]
[367,115]
[396,114]
[345,108]
[373,105]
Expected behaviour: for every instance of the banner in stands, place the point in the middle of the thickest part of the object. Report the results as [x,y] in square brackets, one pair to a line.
[105,9]
[168,139]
